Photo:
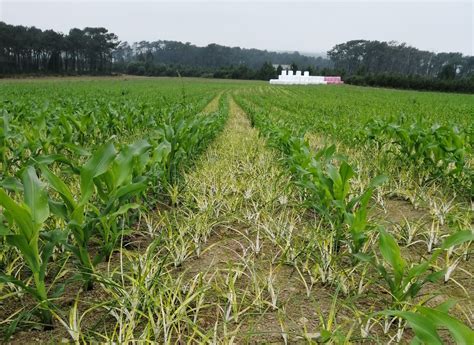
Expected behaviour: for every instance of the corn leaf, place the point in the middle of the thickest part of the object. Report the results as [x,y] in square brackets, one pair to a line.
[35,196]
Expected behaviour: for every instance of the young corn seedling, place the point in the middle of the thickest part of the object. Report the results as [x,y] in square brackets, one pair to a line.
[433,235]
[271,289]
[232,311]
[26,227]
[404,281]
[5,137]
[327,188]
[409,231]
[75,212]
[357,221]
[106,178]
[330,329]
[425,322]
[116,187]
[326,261]
[440,208]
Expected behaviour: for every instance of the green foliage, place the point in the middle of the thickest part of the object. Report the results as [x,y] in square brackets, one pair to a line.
[92,52]
[326,185]
[326,180]
[378,58]
[90,194]
[426,321]
[439,150]
[439,126]
[448,72]
[84,166]
[107,178]
[27,220]
[403,280]
[266,72]
[179,137]
[414,82]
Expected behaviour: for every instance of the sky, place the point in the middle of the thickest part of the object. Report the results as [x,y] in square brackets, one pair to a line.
[307,26]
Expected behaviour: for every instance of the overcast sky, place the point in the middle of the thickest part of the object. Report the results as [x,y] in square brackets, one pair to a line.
[309,26]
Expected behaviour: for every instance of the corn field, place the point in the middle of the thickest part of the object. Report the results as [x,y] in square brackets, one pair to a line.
[147,210]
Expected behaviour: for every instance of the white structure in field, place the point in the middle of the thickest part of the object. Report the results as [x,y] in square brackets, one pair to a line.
[288,78]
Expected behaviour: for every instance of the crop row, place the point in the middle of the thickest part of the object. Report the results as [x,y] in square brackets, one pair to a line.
[77,176]
[430,137]
[324,178]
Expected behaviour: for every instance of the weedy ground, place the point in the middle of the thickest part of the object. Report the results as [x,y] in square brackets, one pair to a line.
[238,258]
[238,208]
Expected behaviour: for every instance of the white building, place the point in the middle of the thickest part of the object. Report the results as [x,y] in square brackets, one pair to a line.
[288,78]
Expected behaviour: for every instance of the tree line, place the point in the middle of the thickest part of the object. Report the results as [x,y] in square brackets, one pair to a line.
[212,56]
[32,50]
[413,82]
[361,57]
[397,65]
[265,72]
[29,50]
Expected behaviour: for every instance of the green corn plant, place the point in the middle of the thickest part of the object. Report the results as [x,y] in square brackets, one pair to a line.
[356,215]
[327,188]
[12,146]
[404,281]
[178,139]
[160,163]
[108,181]
[4,136]
[115,188]
[439,149]
[74,212]
[357,222]
[425,323]
[26,222]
